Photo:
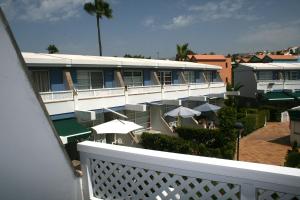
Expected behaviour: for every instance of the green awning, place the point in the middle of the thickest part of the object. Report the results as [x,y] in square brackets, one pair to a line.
[296,94]
[277,96]
[70,130]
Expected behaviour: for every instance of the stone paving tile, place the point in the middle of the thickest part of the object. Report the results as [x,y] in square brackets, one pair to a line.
[267,145]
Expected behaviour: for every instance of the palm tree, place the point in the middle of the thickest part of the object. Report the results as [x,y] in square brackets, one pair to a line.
[99,9]
[182,52]
[52,49]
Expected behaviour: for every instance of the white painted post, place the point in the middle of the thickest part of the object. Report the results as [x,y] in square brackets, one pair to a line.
[126,95]
[162,92]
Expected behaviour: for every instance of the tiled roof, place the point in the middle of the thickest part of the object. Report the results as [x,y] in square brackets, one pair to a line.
[282,57]
[207,57]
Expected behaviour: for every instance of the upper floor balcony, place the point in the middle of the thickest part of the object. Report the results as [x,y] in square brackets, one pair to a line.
[90,99]
[119,172]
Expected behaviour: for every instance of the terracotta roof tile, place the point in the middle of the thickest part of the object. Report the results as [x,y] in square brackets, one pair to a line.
[207,57]
[282,57]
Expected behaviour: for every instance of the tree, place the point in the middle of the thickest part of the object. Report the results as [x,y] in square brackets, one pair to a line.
[99,9]
[182,52]
[52,49]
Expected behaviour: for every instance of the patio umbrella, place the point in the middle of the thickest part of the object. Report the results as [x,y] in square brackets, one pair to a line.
[116,127]
[207,108]
[182,112]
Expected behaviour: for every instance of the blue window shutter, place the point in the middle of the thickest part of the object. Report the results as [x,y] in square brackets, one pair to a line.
[197,78]
[56,80]
[109,78]
[175,79]
[147,77]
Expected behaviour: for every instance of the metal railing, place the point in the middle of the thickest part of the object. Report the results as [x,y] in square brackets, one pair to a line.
[57,96]
[103,92]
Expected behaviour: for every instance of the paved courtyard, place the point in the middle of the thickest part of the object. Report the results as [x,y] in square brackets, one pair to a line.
[267,145]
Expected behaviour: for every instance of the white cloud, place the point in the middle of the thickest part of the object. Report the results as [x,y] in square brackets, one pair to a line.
[179,21]
[271,36]
[149,22]
[211,11]
[43,10]
[223,9]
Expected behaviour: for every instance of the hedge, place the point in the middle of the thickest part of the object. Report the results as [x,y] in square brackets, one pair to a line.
[249,123]
[252,119]
[207,137]
[292,158]
[179,145]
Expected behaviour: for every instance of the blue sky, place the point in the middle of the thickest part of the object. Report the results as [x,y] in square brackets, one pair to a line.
[150,26]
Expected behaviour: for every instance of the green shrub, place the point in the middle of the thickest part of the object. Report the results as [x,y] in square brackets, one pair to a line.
[292,158]
[249,123]
[203,136]
[227,119]
[166,143]
[179,145]
[261,117]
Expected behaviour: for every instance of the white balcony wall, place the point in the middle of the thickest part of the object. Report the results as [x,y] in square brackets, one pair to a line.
[270,85]
[57,96]
[68,101]
[144,94]
[119,172]
[176,91]
[292,85]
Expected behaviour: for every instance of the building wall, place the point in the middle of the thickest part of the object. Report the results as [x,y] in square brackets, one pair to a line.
[295,132]
[225,72]
[245,76]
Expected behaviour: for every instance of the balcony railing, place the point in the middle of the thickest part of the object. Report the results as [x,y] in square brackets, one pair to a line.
[119,172]
[292,84]
[175,87]
[57,96]
[144,89]
[102,92]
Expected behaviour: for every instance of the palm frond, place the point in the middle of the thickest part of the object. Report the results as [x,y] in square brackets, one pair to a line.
[90,8]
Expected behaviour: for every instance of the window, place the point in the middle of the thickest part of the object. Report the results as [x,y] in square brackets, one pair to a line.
[265,75]
[189,76]
[89,80]
[165,77]
[133,78]
[292,75]
[212,76]
[41,80]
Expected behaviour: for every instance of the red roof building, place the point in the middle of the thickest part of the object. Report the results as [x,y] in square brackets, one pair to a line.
[219,60]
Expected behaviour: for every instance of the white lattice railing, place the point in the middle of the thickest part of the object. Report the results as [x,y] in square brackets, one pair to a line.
[103,92]
[176,87]
[119,172]
[57,96]
[144,89]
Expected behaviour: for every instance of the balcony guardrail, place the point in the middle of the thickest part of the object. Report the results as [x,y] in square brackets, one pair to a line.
[175,87]
[198,85]
[102,92]
[57,96]
[216,84]
[119,172]
[144,89]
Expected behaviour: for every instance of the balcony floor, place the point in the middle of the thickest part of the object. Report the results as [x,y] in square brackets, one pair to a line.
[267,145]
